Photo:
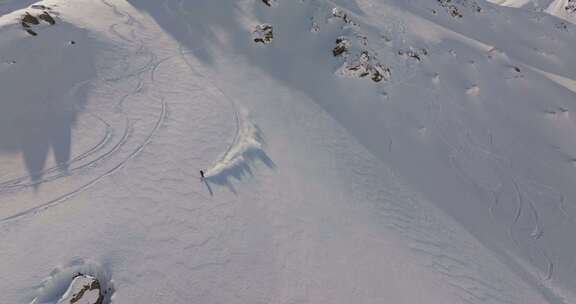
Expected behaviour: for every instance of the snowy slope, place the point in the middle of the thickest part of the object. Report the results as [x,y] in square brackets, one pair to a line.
[446,180]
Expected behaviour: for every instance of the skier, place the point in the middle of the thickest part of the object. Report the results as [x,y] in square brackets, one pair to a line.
[201,175]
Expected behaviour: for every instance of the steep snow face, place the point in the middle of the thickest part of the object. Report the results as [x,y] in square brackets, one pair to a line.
[364,151]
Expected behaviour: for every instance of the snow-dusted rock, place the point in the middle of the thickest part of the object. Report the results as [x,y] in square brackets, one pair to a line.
[341,14]
[342,46]
[263,33]
[269,2]
[30,22]
[83,289]
[28,18]
[414,54]
[363,66]
[454,7]
[570,6]
[45,16]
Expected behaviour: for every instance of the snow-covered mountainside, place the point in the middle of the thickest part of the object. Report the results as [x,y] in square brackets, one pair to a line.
[353,151]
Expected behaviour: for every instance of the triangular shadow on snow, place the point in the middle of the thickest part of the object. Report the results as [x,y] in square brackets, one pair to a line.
[42,96]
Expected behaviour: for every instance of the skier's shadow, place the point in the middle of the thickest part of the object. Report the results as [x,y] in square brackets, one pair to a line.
[208,187]
[220,181]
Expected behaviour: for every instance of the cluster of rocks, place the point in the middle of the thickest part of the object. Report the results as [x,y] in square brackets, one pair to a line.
[263,33]
[28,21]
[341,14]
[414,54]
[570,6]
[452,6]
[358,60]
[366,65]
[343,44]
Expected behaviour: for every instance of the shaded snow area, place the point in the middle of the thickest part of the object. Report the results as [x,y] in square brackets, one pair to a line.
[353,151]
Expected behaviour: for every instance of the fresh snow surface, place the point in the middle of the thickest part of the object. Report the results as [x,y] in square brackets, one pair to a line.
[450,179]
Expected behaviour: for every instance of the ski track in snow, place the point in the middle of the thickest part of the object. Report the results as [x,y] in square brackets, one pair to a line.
[514,198]
[461,150]
[86,186]
[85,160]
[526,208]
[465,150]
[56,172]
[245,145]
[76,164]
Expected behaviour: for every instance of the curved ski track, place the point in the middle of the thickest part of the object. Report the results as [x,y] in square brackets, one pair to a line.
[77,164]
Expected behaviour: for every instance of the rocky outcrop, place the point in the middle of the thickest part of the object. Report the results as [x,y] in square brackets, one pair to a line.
[418,55]
[342,46]
[340,13]
[268,2]
[454,7]
[263,33]
[570,6]
[352,46]
[29,21]
[366,66]
[46,17]
[83,289]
